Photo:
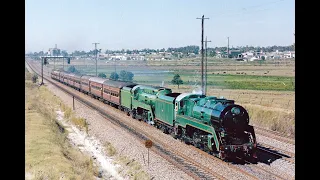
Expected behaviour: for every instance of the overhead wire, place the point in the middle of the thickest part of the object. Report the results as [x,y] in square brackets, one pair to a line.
[244,10]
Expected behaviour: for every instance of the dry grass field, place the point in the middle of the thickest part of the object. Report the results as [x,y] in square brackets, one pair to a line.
[48,155]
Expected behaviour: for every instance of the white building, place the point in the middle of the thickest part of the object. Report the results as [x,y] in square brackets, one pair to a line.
[290,54]
[117,58]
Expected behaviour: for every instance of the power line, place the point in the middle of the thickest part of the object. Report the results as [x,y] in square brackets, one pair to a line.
[225,11]
[247,12]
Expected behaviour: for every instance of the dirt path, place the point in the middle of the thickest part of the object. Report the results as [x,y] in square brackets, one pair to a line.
[92,146]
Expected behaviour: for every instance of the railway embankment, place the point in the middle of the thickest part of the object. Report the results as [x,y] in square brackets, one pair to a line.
[48,154]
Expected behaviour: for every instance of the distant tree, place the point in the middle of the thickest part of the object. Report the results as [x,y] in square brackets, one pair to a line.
[129,76]
[126,75]
[72,69]
[293,46]
[114,76]
[263,58]
[212,53]
[41,53]
[64,53]
[79,53]
[177,80]
[122,75]
[102,75]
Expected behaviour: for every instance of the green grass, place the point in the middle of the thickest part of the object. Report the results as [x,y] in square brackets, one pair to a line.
[250,82]
[225,81]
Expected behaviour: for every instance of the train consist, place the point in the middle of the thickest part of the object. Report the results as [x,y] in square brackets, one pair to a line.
[215,125]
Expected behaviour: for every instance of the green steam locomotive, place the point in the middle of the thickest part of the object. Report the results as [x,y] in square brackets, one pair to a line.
[215,125]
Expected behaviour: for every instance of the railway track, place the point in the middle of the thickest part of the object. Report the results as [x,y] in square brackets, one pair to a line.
[180,160]
[278,153]
[264,169]
[252,165]
[186,164]
[275,135]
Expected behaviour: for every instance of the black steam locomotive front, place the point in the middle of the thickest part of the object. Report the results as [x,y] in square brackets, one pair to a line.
[232,123]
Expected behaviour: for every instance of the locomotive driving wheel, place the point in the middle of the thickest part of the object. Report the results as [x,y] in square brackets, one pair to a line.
[133,114]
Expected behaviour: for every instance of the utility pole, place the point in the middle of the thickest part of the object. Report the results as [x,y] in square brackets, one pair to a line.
[294,34]
[55,53]
[42,59]
[115,65]
[84,64]
[206,74]
[96,52]
[228,49]
[202,54]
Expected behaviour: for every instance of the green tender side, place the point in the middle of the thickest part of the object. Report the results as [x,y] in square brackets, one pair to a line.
[164,109]
[185,121]
[126,97]
[144,97]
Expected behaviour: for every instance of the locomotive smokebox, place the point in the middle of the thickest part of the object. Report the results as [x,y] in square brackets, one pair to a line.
[234,118]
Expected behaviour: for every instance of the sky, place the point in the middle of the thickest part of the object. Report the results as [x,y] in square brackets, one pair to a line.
[155,24]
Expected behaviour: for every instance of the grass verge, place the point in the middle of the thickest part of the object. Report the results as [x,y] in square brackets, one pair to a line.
[280,121]
[69,115]
[48,153]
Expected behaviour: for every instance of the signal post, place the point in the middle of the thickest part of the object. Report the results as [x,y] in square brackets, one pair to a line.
[44,61]
[148,144]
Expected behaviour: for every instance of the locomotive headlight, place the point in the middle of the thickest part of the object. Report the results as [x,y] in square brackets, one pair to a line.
[235,110]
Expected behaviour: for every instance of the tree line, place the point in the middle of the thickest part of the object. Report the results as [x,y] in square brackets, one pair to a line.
[123,76]
[184,50]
